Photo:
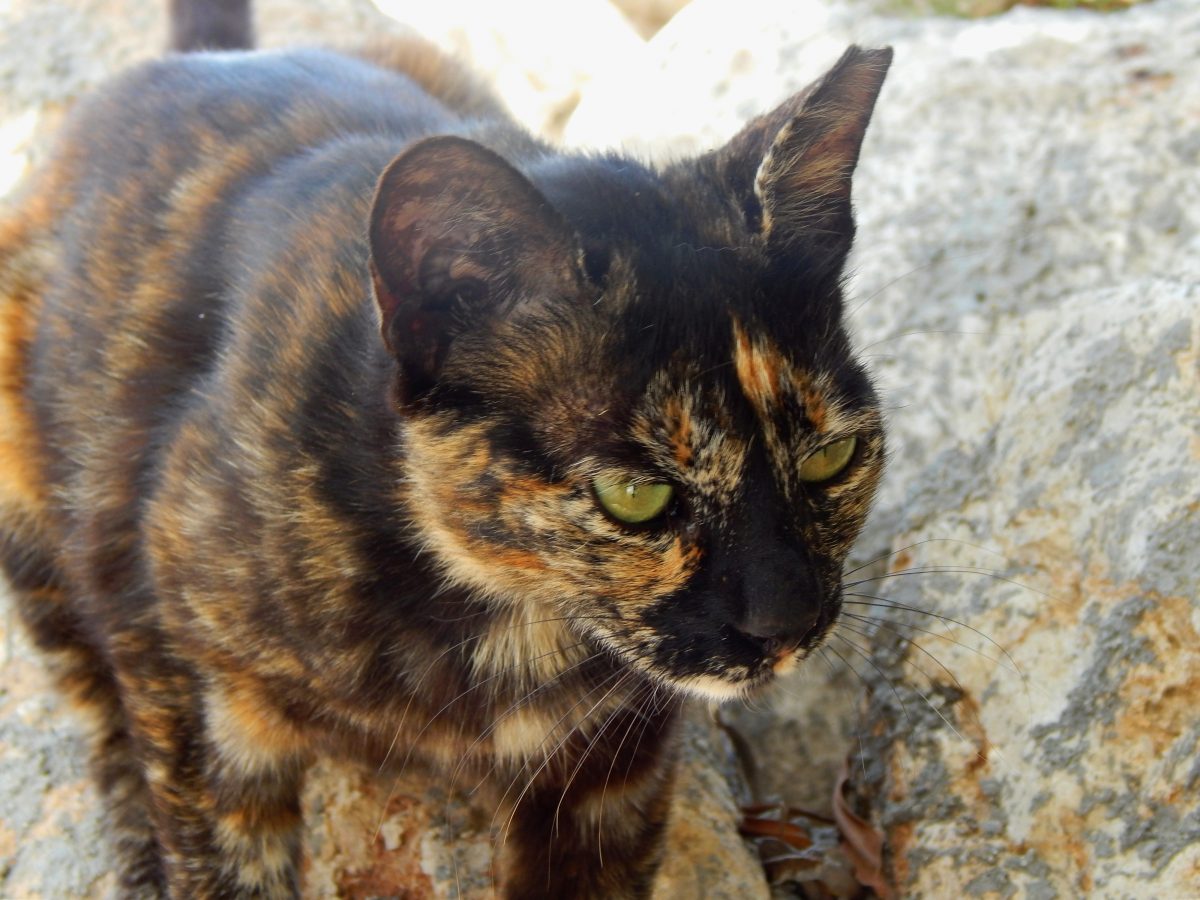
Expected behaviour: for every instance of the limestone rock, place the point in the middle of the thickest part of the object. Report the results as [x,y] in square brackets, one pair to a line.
[648,16]
[714,65]
[1047,455]
[705,856]
[372,836]
[51,841]
[1050,748]
[539,55]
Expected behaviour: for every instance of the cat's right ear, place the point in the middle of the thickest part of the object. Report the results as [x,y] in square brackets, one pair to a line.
[790,169]
[459,236]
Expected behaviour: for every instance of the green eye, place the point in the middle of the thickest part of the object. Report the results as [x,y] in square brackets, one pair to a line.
[823,464]
[630,501]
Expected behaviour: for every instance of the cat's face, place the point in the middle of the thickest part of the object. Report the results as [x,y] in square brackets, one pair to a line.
[752,468]
[639,413]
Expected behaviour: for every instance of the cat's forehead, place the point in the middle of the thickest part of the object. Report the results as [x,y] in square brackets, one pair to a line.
[687,427]
[689,334]
[698,421]
[776,385]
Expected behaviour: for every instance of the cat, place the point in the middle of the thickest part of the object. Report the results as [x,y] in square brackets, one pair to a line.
[210,25]
[338,414]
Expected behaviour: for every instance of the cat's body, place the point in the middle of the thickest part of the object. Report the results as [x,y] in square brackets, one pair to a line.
[307,421]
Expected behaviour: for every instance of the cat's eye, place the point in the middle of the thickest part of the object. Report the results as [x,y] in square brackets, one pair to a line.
[632,502]
[828,461]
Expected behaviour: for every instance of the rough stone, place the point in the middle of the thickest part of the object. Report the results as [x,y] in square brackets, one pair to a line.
[540,79]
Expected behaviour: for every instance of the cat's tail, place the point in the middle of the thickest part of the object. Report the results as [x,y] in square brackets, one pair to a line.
[211,25]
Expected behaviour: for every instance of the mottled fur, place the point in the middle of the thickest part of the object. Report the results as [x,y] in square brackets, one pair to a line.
[306,367]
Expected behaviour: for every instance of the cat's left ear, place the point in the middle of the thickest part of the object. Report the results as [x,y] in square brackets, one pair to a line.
[459,237]
[791,169]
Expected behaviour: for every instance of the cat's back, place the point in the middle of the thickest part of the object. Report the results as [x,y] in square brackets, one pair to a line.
[174,108]
[172,134]
[173,189]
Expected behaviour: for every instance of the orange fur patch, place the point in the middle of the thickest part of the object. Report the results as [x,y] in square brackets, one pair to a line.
[20,481]
[759,368]
[814,402]
[679,421]
[766,377]
[249,730]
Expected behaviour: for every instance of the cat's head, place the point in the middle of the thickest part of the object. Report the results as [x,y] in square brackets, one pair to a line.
[630,400]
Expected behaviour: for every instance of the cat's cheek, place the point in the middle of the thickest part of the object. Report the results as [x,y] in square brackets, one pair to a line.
[460,500]
[642,574]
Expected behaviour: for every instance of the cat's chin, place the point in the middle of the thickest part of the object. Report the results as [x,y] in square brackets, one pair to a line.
[730,687]
[710,687]
[738,682]
[724,689]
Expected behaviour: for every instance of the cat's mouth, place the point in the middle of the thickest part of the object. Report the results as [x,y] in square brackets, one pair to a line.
[711,661]
[758,665]
[739,683]
[733,681]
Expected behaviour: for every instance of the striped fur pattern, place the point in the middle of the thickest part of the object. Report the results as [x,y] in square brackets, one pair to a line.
[306,369]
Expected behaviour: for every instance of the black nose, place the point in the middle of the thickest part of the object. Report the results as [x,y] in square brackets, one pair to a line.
[770,582]
[776,632]
[783,598]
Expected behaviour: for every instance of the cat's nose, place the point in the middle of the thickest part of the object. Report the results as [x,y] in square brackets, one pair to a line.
[776,633]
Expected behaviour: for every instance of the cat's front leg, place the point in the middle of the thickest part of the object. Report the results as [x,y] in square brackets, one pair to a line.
[225,773]
[600,834]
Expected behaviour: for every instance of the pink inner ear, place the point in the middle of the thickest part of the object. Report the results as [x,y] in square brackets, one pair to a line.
[387,302]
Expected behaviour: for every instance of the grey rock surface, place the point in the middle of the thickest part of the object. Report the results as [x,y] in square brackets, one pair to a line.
[51,837]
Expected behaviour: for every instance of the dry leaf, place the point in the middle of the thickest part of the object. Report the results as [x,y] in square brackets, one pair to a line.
[862,841]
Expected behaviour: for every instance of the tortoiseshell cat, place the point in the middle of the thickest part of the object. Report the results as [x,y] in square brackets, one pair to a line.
[340,413]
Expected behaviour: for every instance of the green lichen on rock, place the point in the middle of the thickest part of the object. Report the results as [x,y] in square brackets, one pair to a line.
[974,9]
